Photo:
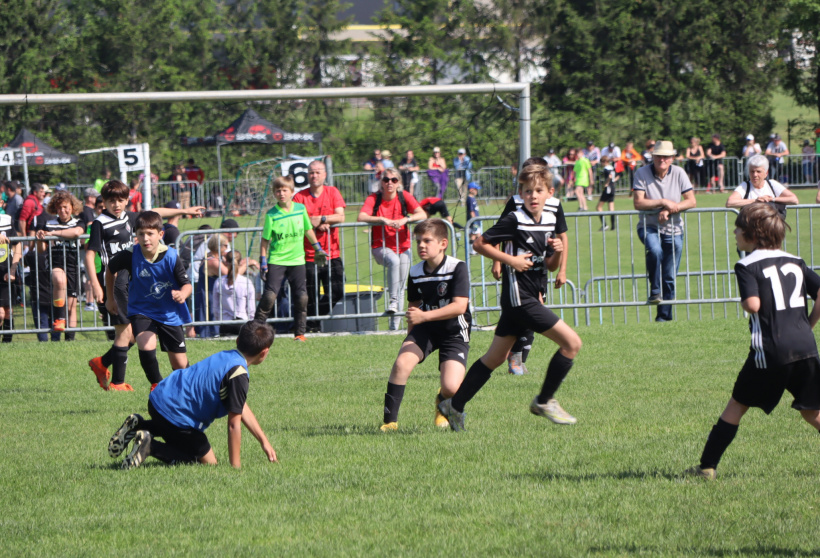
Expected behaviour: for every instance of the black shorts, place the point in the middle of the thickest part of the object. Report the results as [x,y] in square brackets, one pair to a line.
[450,347]
[121,298]
[187,440]
[70,271]
[6,293]
[763,387]
[516,321]
[171,337]
[608,194]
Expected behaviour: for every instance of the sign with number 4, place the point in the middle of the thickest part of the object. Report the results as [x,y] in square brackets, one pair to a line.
[131,157]
[6,157]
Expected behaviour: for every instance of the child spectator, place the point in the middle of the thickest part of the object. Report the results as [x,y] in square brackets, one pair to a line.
[283,248]
[472,212]
[608,193]
[63,257]
[438,318]
[517,359]
[390,210]
[10,255]
[38,280]
[135,196]
[529,233]
[188,401]
[171,228]
[157,291]
[783,354]
[234,294]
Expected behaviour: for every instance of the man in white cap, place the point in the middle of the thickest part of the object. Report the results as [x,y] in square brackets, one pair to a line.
[751,147]
[662,191]
[462,165]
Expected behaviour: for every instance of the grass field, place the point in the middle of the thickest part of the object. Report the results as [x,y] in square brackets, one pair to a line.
[513,484]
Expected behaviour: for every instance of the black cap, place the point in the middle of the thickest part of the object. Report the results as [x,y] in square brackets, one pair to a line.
[590,142]
[229,224]
[551,151]
[172,205]
[611,145]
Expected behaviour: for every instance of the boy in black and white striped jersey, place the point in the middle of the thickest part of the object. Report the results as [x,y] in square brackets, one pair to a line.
[531,246]
[438,318]
[783,353]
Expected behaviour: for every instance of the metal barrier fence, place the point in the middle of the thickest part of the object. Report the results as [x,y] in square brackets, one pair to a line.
[606,274]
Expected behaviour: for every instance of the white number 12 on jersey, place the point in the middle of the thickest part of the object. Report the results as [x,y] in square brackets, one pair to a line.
[796,301]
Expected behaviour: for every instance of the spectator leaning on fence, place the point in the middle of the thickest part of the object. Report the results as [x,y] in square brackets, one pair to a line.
[32,208]
[750,148]
[462,166]
[437,171]
[553,161]
[762,189]
[234,294]
[694,162]
[409,168]
[808,162]
[390,210]
[326,208]
[715,152]
[13,199]
[10,255]
[775,151]
[662,192]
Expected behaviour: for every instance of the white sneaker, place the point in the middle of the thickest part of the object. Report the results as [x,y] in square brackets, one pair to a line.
[604,228]
[392,307]
[589,198]
[551,410]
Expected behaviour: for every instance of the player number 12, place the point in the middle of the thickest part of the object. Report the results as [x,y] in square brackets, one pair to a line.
[796,301]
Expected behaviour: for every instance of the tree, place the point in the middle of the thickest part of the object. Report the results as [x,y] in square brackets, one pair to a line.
[802,79]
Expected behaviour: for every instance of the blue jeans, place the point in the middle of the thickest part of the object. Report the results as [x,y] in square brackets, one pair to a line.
[663,253]
[42,315]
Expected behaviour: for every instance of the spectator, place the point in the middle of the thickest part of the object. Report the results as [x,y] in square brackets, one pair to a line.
[195,177]
[387,162]
[612,151]
[628,162]
[472,212]
[63,257]
[593,154]
[8,271]
[775,152]
[13,199]
[32,208]
[282,248]
[762,189]
[647,154]
[100,182]
[180,190]
[569,172]
[462,166]
[438,172]
[370,164]
[553,162]
[218,245]
[134,196]
[715,152]
[751,148]
[662,192]
[808,162]
[389,210]
[409,168]
[432,206]
[171,228]
[90,197]
[89,213]
[38,280]
[326,208]
[234,295]
[583,178]
[694,162]
[608,191]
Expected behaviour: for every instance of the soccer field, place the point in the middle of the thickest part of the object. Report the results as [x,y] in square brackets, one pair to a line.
[513,484]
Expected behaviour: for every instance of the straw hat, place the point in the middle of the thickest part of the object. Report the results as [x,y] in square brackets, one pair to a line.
[664,149]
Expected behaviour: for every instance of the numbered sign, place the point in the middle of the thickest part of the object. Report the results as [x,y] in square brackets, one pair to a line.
[298,169]
[132,157]
[6,157]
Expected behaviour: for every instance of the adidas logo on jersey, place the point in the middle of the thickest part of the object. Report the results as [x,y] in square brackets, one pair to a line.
[182,344]
[461,355]
[145,273]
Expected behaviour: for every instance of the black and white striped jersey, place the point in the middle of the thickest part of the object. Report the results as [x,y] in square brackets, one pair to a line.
[111,235]
[780,330]
[64,251]
[436,289]
[7,228]
[522,235]
[552,205]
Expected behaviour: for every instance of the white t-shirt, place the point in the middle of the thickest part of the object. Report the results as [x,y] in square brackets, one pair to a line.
[771,188]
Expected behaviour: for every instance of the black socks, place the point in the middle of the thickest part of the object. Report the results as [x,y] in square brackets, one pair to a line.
[392,402]
[719,439]
[475,379]
[556,372]
[120,360]
[148,360]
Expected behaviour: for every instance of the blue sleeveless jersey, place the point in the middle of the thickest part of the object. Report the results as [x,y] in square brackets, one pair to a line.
[189,398]
[150,289]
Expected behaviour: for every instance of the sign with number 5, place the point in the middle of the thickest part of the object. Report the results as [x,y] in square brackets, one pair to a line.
[131,157]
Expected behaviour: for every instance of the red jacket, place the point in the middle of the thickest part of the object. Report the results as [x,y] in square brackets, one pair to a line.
[31,208]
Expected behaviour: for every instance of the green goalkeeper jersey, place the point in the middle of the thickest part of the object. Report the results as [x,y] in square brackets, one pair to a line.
[286,232]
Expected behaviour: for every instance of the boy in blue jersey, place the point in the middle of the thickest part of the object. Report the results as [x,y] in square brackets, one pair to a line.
[189,400]
[157,291]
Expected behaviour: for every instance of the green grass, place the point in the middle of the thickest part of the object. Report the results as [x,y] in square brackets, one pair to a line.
[513,484]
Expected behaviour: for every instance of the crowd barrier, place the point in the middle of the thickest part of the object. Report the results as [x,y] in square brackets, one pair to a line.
[606,274]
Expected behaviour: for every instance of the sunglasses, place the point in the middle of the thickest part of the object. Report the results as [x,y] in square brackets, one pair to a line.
[392,179]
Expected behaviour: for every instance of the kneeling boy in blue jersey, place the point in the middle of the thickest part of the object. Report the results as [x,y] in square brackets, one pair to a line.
[438,318]
[188,401]
[157,291]
[783,354]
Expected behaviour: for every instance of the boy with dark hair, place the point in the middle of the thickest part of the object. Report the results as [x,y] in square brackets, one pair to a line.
[157,291]
[517,359]
[286,225]
[472,212]
[189,400]
[608,192]
[783,354]
[529,235]
[438,318]
[111,233]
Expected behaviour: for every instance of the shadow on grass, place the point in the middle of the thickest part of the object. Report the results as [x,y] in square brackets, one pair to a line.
[623,475]
[116,464]
[760,550]
[348,430]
